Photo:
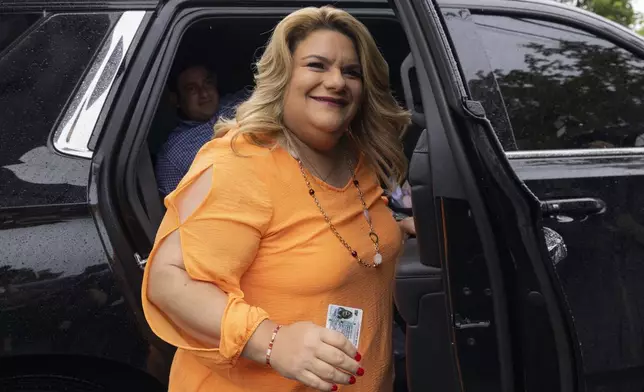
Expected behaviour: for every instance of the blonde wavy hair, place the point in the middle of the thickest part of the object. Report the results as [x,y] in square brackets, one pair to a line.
[379,123]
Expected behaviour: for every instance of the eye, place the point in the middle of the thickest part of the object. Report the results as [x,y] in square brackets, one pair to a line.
[316,65]
[354,73]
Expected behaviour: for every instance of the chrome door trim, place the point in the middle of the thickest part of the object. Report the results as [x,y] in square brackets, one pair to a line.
[575,153]
[75,130]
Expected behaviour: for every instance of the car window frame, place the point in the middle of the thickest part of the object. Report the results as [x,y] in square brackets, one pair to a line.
[77,115]
[129,25]
[118,209]
[131,116]
[572,18]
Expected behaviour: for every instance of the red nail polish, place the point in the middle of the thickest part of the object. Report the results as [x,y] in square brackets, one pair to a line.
[334,387]
[360,372]
[358,357]
[352,380]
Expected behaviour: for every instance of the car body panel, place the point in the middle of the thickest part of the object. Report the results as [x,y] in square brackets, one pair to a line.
[602,269]
[58,291]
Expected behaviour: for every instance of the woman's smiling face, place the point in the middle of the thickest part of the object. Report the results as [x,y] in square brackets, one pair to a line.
[325,90]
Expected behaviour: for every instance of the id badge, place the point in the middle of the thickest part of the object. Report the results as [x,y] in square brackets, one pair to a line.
[345,320]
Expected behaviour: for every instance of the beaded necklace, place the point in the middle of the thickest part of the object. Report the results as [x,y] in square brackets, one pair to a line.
[377,259]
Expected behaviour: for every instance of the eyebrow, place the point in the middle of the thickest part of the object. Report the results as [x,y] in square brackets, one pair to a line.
[318,57]
[189,85]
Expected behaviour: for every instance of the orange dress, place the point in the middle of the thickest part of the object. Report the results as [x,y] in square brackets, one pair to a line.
[259,236]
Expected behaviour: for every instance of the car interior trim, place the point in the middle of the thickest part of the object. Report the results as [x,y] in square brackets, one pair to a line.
[575,153]
[75,130]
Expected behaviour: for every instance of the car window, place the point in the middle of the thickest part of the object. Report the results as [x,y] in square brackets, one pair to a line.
[12,26]
[563,88]
[42,60]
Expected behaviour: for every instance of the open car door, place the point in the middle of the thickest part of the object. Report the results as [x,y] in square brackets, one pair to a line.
[482,302]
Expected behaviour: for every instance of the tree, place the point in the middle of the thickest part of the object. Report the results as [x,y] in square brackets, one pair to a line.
[620,11]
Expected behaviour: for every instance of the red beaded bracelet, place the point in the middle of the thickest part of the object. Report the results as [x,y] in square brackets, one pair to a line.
[269,351]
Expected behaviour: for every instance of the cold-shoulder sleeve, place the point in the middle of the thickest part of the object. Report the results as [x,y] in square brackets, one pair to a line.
[219,241]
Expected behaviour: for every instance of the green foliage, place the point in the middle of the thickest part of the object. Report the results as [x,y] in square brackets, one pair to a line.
[620,11]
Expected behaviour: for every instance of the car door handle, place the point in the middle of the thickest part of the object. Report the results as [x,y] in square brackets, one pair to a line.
[578,206]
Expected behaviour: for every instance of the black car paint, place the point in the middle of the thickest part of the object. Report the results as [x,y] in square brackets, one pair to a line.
[600,282]
[60,292]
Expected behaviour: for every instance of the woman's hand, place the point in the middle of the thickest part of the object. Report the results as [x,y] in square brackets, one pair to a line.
[407,226]
[317,357]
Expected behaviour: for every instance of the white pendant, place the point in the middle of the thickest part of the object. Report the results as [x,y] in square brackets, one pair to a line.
[367,216]
[377,259]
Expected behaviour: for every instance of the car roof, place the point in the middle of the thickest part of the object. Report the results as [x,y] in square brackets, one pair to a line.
[515,5]
[107,3]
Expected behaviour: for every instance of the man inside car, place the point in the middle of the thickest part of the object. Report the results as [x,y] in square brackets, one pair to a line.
[193,90]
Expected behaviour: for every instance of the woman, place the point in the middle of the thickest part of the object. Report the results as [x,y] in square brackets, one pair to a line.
[280,221]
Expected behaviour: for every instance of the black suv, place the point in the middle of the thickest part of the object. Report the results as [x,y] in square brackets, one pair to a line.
[527,148]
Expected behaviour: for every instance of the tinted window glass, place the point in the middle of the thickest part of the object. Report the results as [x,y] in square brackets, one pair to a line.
[13,26]
[39,71]
[564,88]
